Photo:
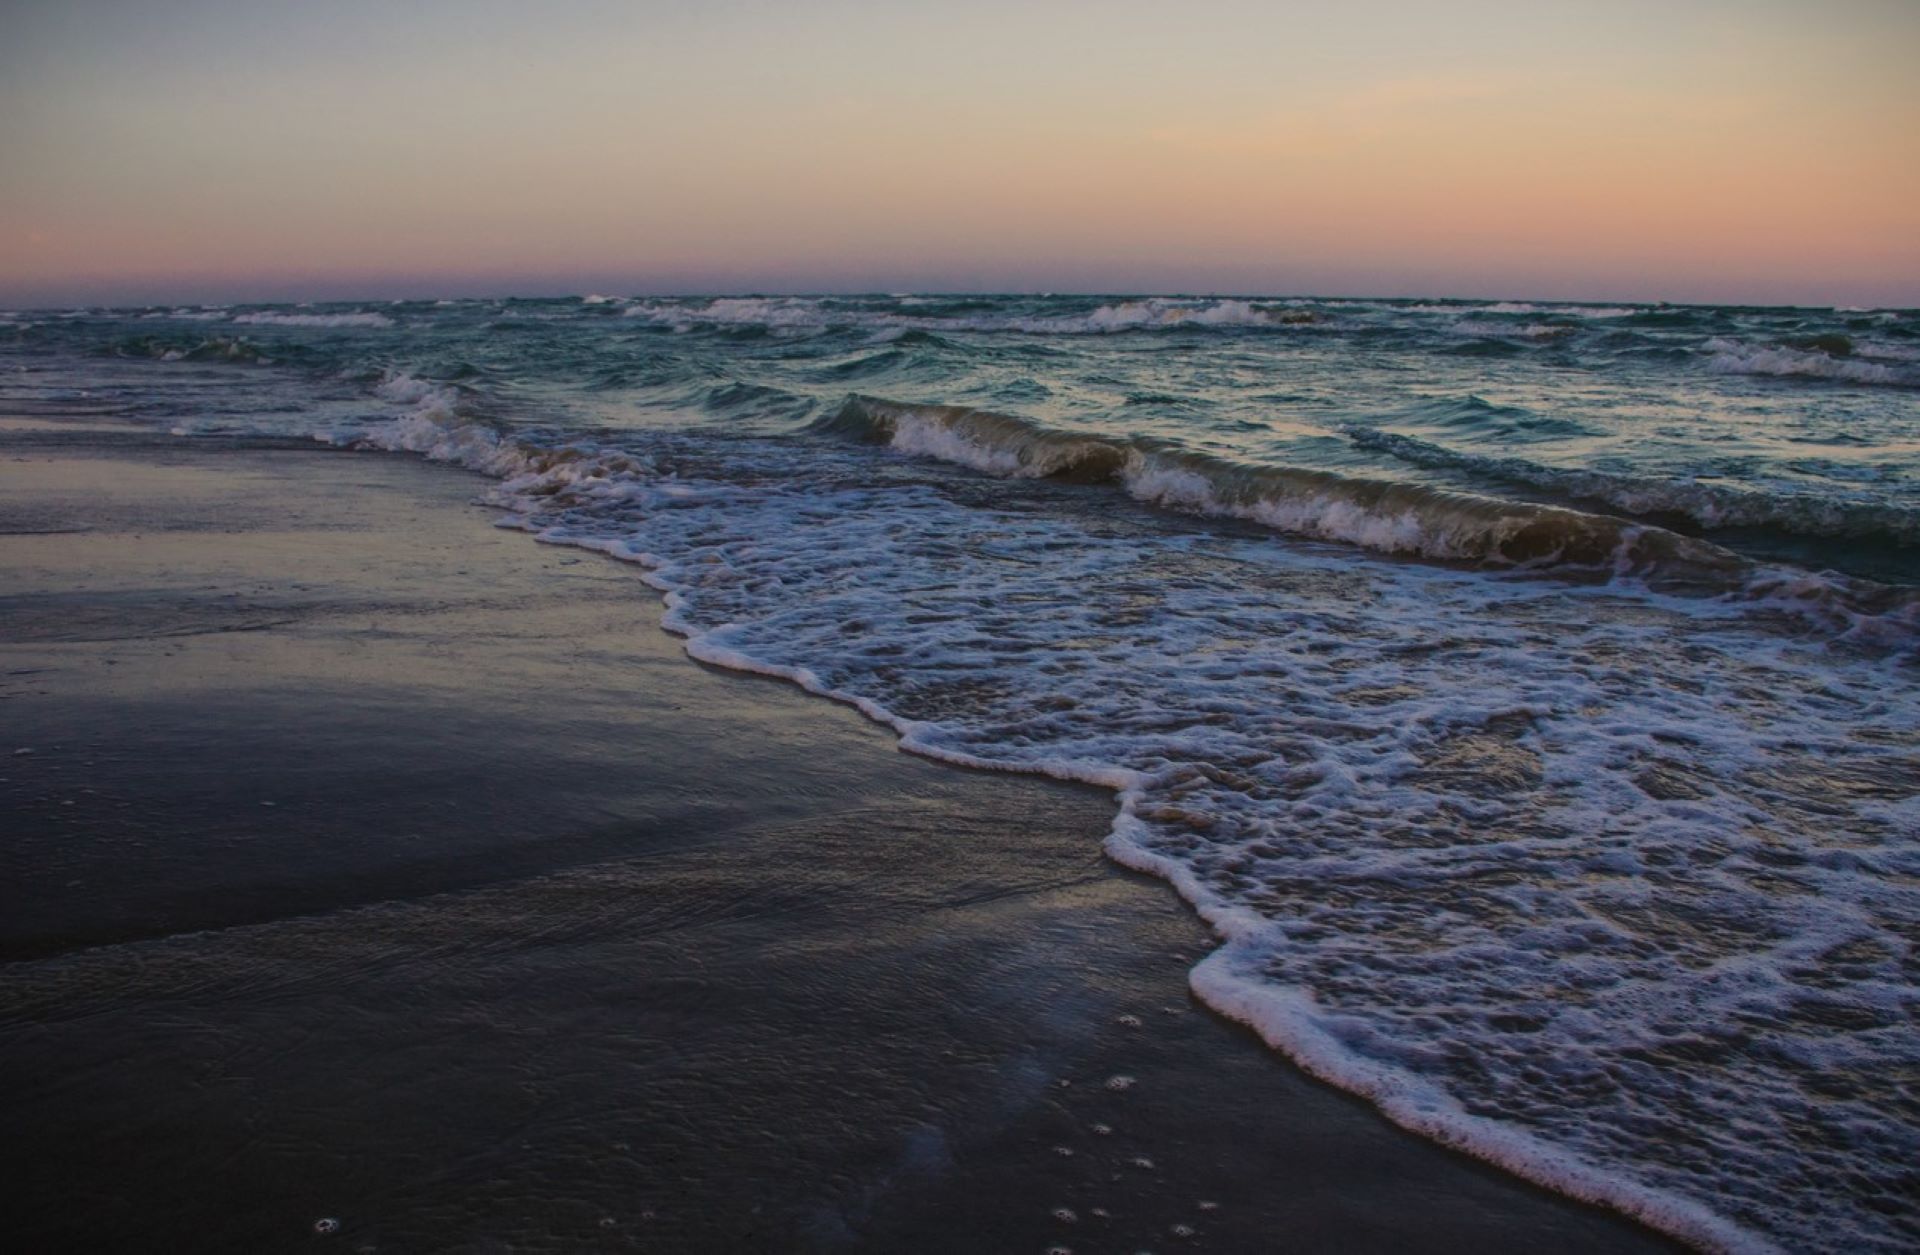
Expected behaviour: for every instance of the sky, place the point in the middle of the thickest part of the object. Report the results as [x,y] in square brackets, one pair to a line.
[1714,150]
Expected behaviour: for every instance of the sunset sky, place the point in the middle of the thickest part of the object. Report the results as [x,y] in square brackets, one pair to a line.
[1744,150]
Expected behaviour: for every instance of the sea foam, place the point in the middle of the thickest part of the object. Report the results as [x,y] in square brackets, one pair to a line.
[1509,881]
[1733,358]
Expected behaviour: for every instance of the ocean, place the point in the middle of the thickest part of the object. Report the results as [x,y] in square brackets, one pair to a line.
[1525,693]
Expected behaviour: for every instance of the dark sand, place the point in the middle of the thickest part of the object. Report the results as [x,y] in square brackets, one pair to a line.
[374,863]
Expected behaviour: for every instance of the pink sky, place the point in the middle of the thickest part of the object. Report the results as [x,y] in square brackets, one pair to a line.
[1749,151]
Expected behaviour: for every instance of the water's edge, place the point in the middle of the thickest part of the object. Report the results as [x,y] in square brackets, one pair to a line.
[1281,1018]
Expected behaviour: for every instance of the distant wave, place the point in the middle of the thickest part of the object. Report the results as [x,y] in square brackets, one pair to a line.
[1731,357]
[362,318]
[1145,314]
[1165,314]
[1566,311]
[1520,331]
[188,315]
[1518,307]
[190,348]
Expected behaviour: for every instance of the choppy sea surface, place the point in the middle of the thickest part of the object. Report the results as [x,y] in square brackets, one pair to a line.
[1526,693]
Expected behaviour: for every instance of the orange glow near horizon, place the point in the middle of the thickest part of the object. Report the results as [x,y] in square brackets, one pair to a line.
[1751,151]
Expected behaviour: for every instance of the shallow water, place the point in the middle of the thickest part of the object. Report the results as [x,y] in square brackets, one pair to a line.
[1526,692]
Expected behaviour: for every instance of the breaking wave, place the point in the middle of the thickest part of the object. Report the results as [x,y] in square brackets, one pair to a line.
[1385,516]
[1817,360]
[1709,506]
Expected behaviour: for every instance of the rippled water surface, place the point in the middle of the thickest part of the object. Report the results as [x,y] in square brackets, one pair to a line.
[1526,693]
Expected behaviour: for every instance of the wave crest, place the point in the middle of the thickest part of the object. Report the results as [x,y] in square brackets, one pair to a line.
[1385,516]
[1732,357]
[1705,505]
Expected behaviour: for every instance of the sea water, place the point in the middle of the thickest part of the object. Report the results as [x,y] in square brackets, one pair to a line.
[1525,693]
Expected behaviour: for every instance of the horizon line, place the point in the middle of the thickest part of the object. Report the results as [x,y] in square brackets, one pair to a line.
[1123,294]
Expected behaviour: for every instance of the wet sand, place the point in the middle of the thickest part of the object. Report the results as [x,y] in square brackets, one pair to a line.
[364,861]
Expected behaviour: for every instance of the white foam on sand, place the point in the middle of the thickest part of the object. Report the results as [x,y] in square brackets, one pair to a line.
[1603,886]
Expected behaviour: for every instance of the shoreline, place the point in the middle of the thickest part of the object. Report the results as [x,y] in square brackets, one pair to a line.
[1273,1016]
[1033,975]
